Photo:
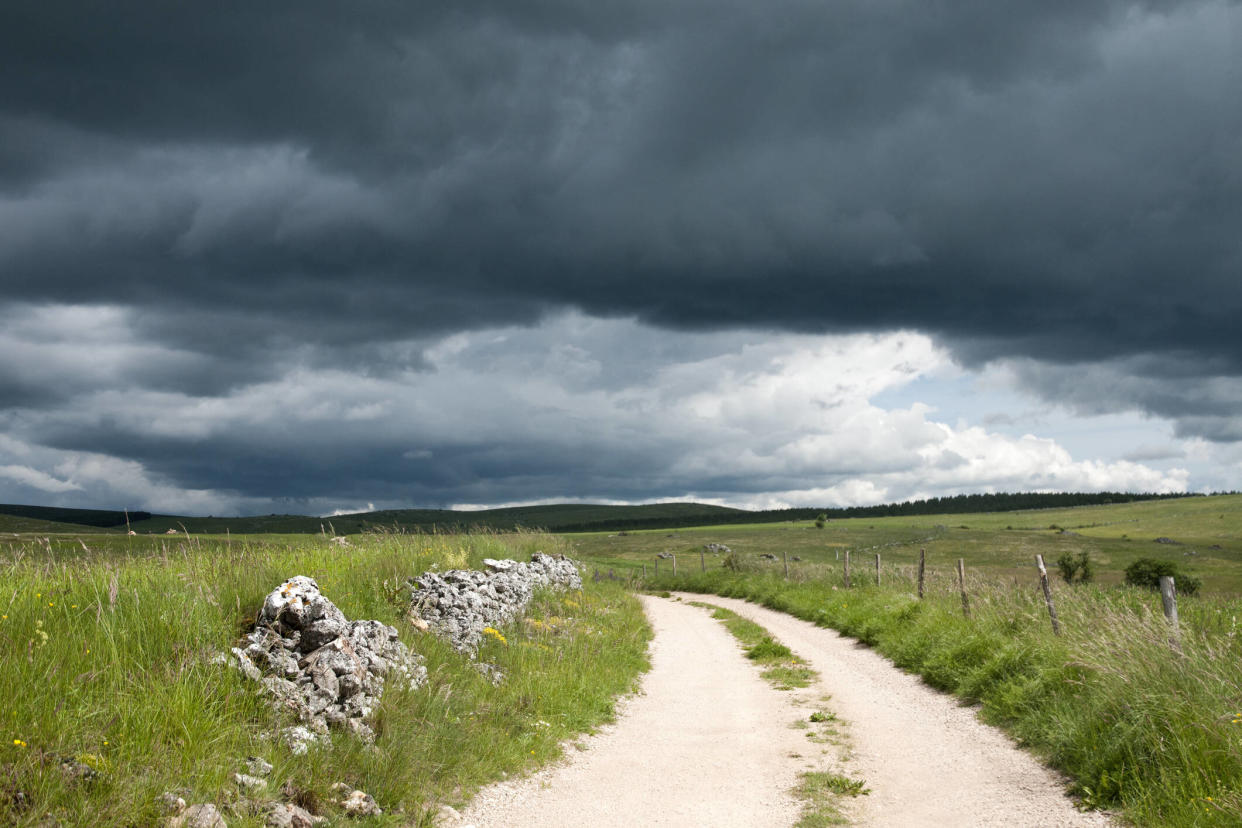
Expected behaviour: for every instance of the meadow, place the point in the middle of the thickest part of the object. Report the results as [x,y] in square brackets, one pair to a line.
[111,696]
[1203,535]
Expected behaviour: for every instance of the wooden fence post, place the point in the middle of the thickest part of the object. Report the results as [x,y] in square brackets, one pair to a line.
[674,566]
[1043,582]
[657,567]
[1168,598]
[877,568]
[847,569]
[644,572]
[702,564]
[961,585]
[922,567]
[785,558]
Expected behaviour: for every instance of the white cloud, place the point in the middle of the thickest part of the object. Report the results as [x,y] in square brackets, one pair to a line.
[37,479]
[604,410]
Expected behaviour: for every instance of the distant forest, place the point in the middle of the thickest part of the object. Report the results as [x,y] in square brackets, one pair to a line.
[957,504]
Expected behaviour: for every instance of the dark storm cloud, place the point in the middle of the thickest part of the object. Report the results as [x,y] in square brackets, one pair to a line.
[258,189]
[1052,177]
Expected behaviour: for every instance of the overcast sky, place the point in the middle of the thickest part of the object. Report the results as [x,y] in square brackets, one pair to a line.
[309,256]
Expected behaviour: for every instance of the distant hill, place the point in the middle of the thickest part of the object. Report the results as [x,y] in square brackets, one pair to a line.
[96,518]
[554,517]
[562,517]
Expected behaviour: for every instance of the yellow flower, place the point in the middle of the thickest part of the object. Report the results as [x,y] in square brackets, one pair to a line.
[18,743]
[495,633]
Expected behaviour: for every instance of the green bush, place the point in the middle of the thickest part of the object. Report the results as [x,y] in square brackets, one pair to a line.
[1146,572]
[1071,565]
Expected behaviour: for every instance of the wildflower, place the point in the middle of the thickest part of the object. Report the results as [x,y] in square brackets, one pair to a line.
[18,743]
[495,633]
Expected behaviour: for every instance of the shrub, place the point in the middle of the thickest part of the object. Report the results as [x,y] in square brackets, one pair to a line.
[1070,565]
[1146,572]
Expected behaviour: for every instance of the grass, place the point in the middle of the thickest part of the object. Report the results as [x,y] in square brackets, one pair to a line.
[783,669]
[821,793]
[105,658]
[1137,725]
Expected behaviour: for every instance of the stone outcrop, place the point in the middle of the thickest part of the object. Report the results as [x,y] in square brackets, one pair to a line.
[457,605]
[323,668]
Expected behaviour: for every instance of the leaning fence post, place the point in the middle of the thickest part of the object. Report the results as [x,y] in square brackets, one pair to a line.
[922,566]
[1168,597]
[877,568]
[1043,582]
[847,569]
[961,585]
[785,558]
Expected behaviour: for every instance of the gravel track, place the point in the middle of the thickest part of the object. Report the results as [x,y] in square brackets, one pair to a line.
[708,743]
[927,759]
[705,743]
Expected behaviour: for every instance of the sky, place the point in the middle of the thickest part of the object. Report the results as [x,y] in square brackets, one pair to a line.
[315,257]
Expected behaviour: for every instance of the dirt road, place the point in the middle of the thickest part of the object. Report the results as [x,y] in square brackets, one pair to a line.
[708,743]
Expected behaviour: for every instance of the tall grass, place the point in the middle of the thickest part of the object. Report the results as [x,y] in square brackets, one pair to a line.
[105,660]
[1137,723]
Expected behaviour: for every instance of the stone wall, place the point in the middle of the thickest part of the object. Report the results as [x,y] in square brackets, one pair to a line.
[328,671]
[457,605]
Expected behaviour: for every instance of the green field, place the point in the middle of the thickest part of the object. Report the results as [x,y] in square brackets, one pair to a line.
[106,662]
[1206,535]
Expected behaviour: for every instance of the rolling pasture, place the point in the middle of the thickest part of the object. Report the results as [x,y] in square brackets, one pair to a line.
[1202,535]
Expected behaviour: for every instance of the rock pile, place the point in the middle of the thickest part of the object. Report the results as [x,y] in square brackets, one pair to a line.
[460,603]
[716,549]
[322,667]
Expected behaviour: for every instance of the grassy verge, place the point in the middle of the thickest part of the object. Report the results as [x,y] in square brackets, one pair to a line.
[1137,725]
[105,660]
